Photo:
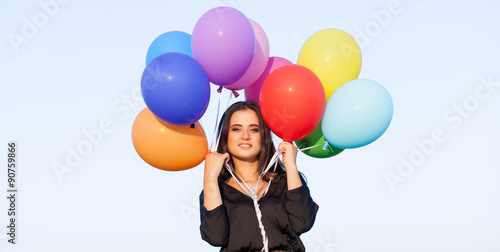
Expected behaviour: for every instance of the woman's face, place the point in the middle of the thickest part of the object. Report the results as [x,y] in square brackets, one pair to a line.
[244,136]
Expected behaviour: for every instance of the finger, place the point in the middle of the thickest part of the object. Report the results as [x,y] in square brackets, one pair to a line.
[284,149]
[226,157]
[281,149]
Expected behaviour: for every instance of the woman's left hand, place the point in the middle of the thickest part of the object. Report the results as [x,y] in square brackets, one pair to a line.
[289,152]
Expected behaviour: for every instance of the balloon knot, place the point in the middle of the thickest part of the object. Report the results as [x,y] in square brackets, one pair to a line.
[219,90]
[192,126]
[235,94]
[325,146]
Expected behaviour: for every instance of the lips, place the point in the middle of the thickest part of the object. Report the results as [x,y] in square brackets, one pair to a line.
[245,145]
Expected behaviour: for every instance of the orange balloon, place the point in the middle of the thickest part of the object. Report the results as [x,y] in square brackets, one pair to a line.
[166,146]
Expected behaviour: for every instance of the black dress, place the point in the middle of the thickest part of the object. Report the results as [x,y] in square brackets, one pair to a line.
[233,226]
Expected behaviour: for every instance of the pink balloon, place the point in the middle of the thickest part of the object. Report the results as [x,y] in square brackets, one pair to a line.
[223,42]
[259,61]
[252,92]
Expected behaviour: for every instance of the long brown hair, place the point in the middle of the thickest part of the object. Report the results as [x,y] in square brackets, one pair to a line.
[267,148]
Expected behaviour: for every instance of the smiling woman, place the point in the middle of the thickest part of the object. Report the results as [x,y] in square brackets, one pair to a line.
[282,206]
[243,140]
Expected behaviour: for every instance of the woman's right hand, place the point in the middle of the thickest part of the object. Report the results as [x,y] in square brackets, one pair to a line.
[213,165]
[214,162]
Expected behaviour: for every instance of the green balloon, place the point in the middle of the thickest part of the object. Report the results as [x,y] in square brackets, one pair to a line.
[323,150]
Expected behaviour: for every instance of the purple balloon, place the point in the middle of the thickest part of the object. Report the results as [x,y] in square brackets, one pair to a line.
[223,42]
[259,61]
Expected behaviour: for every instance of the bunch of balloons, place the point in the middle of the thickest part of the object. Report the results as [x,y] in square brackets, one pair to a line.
[358,111]
[318,100]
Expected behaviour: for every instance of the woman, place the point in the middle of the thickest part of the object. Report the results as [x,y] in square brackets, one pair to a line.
[230,218]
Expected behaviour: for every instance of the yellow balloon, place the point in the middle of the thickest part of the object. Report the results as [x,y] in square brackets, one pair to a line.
[334,56]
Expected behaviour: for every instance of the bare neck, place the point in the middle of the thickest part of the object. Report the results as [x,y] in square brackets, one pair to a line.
[248,171]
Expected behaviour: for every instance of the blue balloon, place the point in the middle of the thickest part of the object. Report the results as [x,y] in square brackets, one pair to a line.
[176,88]
[356,114]
[172,41]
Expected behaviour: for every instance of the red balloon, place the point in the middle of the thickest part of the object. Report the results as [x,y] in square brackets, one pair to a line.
[292,101]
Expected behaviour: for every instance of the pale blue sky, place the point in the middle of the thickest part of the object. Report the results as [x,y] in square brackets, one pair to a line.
[83,65]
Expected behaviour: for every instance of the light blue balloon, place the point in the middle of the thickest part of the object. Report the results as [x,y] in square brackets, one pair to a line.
[172,41]
[357,114]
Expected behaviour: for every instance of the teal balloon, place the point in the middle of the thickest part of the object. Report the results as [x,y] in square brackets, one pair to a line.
[357,114]
[172,41]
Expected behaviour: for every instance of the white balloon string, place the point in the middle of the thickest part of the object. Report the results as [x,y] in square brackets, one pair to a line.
[216,125]
[237,178]
[273,160]
[229,100]
[252,193]
[201,127]
[271,178]
[310,147]
[258,213]
[222,120]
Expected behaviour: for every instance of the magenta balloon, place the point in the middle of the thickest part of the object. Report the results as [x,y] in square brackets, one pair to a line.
[252,92]
[259,61]
[223,42]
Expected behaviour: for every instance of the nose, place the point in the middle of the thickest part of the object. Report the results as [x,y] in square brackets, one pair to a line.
[245,134]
